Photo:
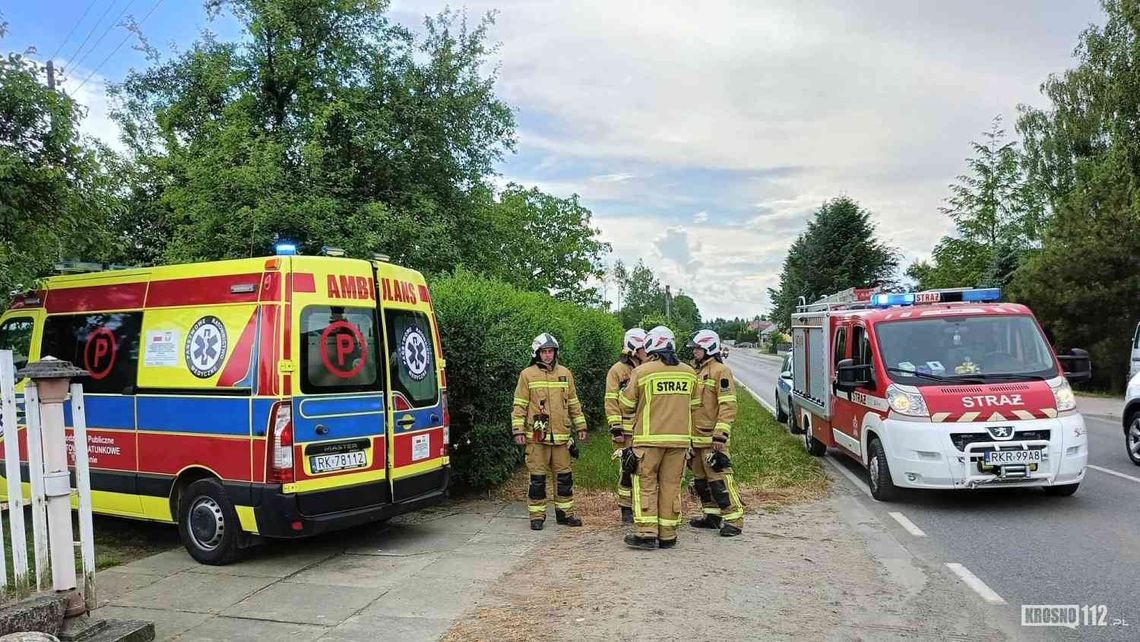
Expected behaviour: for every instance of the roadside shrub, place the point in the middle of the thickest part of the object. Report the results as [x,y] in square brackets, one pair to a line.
[486,327]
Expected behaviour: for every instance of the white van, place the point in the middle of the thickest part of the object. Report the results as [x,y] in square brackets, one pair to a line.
[1134,365]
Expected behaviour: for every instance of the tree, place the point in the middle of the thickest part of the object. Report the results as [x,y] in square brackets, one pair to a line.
[544,243]
[837,251]
[1084,156]
[56,189]
[620,276]
[643,296]
[324,124]
[996,217]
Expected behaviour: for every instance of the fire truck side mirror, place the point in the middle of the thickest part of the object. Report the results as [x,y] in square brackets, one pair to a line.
[849,376]
[1076,365]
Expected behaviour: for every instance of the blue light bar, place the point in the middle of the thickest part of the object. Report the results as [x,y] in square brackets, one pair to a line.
[982,295]
[286,249]
[887,300]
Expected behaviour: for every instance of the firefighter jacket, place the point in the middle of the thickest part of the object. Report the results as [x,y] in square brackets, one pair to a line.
[616,380]
[712,419]
[550,391]
[661,399]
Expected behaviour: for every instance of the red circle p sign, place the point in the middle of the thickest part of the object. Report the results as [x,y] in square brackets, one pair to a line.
[99,353]
[343,350]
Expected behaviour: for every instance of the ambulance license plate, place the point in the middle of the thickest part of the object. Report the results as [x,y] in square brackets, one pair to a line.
[339,461]
[1013,457]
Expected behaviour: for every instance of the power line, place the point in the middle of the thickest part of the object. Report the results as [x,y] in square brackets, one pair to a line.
[114,23]
[91,32]
[117,47]
[73,28]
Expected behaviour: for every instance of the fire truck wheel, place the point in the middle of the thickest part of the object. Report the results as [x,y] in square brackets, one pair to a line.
[781,416]
[1061,490]
[208,523]
[882,487]
[813,445]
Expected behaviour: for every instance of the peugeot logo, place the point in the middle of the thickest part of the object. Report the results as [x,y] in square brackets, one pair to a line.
[1001,432]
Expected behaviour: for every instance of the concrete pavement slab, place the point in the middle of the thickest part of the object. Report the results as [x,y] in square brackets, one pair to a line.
[517,526]
[270,562]
[414,539]
[302,604]
[458,566]
[163,564]
[196,592]
[504,544]
[459,523]
[364,571]
[167,624]
[427,598]
[362,628]
[229,629]
[114,583]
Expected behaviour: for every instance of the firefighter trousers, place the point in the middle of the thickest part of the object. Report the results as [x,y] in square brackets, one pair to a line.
[717,490]
[625,480]
[657,491]
[543,460]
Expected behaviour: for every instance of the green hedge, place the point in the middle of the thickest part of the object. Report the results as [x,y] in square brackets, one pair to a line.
[486,327]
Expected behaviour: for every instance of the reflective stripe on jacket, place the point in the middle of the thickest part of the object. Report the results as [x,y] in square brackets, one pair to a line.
[661,398]
[616,380]
[551,389]
[714,417]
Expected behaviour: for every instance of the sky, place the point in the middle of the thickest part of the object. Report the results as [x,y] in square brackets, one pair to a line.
[701,135]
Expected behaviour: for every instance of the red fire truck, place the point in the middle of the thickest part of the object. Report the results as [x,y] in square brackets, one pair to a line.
[939,389]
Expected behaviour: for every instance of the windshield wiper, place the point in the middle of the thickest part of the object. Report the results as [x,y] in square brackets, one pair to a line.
[1008,376]
[923,375]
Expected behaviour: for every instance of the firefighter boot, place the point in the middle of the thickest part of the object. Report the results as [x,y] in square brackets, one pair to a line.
[536,524]
[711,517]
[626,515]
[666,543]
[566,520]
[636,541]
[728,530]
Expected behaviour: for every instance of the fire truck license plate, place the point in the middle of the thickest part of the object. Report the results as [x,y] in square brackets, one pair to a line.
[339,461]
[1015,457]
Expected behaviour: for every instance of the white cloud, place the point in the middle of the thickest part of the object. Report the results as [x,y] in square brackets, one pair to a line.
[701,217]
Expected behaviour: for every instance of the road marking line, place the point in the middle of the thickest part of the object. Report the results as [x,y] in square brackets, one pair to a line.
[850,476]
[973,582]
[1113,472]
[907,524]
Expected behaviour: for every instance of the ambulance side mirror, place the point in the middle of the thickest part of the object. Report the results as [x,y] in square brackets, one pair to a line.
[1076,365]
[849,377]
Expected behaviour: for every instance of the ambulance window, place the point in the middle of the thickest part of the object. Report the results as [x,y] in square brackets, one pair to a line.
[411,357]
[338,350]
[16,335]
[840,345]
[105,345]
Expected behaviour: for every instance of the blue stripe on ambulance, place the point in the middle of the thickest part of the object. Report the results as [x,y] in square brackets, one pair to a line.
[430,417]
[198,414]
[113,412]
[343,417]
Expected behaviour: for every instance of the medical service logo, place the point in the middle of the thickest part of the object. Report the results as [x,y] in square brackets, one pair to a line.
[206,347]
[415,353]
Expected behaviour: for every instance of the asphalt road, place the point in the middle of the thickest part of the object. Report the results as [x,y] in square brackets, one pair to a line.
[1027,547]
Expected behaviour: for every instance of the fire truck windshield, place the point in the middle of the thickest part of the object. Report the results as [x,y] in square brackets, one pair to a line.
[977,349]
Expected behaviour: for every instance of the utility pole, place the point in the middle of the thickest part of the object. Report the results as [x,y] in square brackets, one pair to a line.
[51,75]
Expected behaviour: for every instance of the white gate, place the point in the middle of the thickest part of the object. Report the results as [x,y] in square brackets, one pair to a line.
[10,420]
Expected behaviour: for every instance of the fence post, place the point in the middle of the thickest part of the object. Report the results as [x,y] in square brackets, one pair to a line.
[51,377]
[83,485]
[36,479]
[11,433]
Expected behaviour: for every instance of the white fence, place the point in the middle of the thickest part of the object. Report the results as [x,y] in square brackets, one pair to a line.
[62,537]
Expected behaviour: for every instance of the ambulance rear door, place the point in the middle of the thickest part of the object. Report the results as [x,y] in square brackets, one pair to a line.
[413,361]
[338,399]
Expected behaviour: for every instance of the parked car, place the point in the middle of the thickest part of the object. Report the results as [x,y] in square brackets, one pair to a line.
[1134,364]
[784,395]
[1131,419]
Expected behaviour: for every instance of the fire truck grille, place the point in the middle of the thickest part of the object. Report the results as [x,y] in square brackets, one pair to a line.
[963,439]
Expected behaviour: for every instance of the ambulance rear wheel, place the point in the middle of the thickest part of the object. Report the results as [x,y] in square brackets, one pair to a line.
[882,487]
[814,446]
[208,523]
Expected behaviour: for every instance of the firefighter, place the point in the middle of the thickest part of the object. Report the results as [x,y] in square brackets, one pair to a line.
[660,396]
[712,427]
[546,406]
[632,355]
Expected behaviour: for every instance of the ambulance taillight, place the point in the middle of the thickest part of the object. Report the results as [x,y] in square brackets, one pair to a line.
[446,411]
[280,460]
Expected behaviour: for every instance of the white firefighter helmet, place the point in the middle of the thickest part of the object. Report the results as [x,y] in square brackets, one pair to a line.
[633,341]
[660,339]
[544,340]
[706,340]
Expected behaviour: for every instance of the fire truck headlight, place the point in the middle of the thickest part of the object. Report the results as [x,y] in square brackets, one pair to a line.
[1063,395]
[907,403]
